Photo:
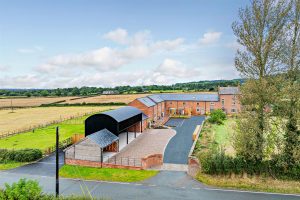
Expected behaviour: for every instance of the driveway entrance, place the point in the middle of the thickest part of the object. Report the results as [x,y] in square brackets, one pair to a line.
[178,148]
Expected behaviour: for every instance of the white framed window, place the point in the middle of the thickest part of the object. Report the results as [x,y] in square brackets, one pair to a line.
[233,110]
[198,110]
[184,103]
[223,102]
[212,103]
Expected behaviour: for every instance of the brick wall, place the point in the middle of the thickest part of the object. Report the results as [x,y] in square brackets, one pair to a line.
[152,161]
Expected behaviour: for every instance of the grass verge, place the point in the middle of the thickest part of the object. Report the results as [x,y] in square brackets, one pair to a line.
[11,165]
[106,174]
[259,184]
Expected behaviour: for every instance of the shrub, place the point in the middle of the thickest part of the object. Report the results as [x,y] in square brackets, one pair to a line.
[22,190]
[217,117]
[23,155]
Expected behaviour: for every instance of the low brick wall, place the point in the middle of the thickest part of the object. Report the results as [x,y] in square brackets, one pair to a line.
[193,166]
[152,161]
[87,163]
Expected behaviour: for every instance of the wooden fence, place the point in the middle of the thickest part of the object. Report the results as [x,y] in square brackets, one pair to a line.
[32,128]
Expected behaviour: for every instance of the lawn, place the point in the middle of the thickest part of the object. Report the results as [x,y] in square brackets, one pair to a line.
[262,184]
[11,165]
[43,138]
[106,174]
[216,135]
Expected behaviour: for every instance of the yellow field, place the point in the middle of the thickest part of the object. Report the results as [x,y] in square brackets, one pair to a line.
[123,98]
[30,102]
[28,117]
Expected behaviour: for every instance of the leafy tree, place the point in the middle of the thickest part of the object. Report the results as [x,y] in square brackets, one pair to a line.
[289,104]
[259,31]
[217,116]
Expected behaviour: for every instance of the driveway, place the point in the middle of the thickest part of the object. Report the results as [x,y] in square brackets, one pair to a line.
[178,149]
[44,167]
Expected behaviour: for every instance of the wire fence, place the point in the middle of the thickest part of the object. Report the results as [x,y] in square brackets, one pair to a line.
[62,145]
[75,119]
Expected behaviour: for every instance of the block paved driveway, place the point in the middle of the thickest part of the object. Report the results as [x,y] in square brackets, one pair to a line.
[180,145]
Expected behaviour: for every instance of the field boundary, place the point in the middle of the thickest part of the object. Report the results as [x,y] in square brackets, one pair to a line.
[32,128]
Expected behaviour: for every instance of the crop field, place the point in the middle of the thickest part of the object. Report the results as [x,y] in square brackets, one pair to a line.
[27,118]
[122,98]
[30,102]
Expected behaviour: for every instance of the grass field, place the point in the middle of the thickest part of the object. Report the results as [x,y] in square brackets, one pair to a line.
[220,135]
[25,118]
[29,102]
[122,98]
[262,184]
[43,138]
[106,174]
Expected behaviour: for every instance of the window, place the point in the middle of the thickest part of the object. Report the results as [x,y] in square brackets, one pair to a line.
[184,103]
[171,103]
[223,102]
[233,110]
[198,103]
[212,103]
[198,109]
[162,114]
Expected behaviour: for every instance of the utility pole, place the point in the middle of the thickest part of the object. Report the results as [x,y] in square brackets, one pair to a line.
[57,163]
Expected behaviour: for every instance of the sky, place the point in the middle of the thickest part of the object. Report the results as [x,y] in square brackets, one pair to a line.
[107,43]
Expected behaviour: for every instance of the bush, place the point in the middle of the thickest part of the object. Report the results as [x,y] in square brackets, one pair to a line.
[30,190]
[23,155]
[217,117]
[22,190]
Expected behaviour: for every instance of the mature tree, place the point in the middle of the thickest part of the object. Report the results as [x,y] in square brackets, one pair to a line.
[290,92]
[259,31]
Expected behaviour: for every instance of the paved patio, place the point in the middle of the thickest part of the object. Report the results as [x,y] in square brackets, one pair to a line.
[152,141]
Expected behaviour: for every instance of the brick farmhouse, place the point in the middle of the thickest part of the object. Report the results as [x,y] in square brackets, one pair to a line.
[159,107]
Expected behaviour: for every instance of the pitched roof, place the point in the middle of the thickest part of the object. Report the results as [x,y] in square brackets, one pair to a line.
[103,138]
[156,98]
[146,101]
[144,116]
[229,90]
[190,97]
[123,113]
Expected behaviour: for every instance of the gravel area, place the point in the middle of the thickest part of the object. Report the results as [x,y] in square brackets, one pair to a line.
[152,141]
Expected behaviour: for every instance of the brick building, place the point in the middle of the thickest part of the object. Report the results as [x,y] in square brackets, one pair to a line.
[159,107]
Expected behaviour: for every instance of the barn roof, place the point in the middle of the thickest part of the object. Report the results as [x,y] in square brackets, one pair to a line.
[156,98]
[103,138]
[123,113]
[229,90]
[146,101]
[190,97]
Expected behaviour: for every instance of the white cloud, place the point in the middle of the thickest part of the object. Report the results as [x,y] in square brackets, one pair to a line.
[137,47]
[234,45]
[210,38]
[30,50]
[174,68]
[119,35]
[4,68]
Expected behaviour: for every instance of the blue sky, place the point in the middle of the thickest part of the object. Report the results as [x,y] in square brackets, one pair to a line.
[66,43]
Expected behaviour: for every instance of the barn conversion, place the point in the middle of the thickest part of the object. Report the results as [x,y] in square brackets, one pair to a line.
[159,107]
[103,132]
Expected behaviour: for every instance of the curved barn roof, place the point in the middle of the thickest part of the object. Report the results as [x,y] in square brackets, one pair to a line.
[123,113]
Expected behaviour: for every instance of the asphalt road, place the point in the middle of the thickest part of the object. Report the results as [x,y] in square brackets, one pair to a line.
[45,167]
[160,187]
[179,146]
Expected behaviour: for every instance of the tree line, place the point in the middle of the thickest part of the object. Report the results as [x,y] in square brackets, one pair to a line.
[268,126]
[89,91]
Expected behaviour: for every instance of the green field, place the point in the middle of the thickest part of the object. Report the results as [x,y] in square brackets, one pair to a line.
[43,138]
[106,174]
[11,165]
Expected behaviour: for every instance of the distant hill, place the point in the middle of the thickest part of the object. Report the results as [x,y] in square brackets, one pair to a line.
[206,85]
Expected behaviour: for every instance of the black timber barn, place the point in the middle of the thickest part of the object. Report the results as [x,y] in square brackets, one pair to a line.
[116,121]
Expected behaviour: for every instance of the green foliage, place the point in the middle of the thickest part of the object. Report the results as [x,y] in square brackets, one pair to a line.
[22,190]
[22,155]
[30,190]
[217,117]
